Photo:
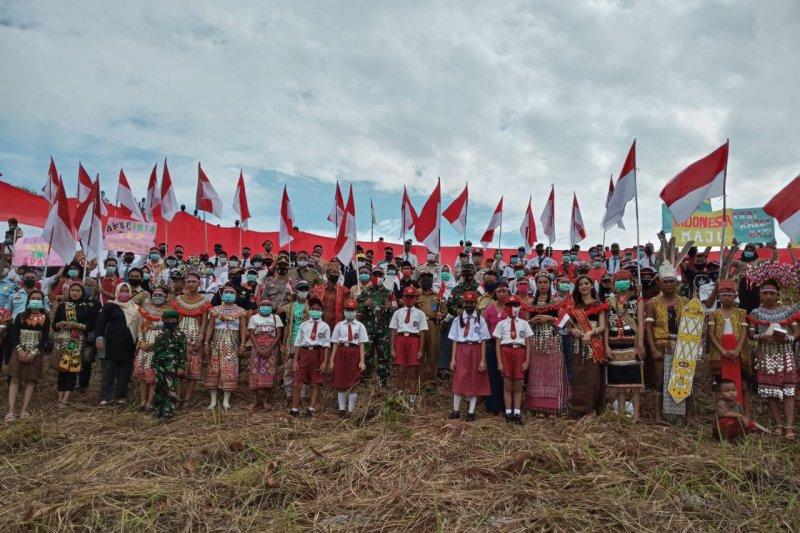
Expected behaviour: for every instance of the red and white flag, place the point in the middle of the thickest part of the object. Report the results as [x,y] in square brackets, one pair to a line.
[169,203]
[428,223]
[408,216]
[624,192]
[620,224]
[336,215]
[495,222]
[152,201]
[528,227]
[346,238]
[548,218]
[286,234]
[50,189]
[57,231]
[89,222]
[702,180]
[785,207]
[128,205]
[240,201]
[207,198]
[84,183]
[577,231]
[456,212]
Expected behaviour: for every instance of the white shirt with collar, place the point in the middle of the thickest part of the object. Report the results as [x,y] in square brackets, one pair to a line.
[410,257]
[503,331]
[417,323]
[537,262]
[477,331]
[614,264]
[358,329]
[323,337]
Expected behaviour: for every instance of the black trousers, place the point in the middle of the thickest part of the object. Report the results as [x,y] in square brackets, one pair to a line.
[85,375]
[66,381]
[115,379]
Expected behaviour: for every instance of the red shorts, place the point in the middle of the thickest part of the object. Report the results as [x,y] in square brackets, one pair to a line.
[308,363]
[512,358]
[406,350]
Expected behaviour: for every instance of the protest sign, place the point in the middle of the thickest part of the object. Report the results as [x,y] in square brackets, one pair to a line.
[753,225]
[32,251]
[705,229]
[129,236]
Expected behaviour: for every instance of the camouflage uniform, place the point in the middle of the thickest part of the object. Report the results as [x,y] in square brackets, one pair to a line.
[454,303]
[376,317]
[169,355]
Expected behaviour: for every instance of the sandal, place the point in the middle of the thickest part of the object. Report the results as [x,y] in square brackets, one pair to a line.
[10,418]
[789,434]
[24,414]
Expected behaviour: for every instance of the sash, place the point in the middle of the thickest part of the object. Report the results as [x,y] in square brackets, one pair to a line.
[595,344]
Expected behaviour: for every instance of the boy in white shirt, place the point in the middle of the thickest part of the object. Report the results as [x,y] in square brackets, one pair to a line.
[407,323]
[510,336]
[311,347]
[347,358]
[469,334]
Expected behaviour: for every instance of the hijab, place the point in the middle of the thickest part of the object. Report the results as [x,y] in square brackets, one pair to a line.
[130,309]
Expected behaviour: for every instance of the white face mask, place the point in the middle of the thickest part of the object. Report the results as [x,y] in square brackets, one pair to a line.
[350,315]
[302,264]
[431,258]
[514,311]
[302,294]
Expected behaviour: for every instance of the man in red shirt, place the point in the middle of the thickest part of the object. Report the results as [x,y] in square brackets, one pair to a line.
[110,280]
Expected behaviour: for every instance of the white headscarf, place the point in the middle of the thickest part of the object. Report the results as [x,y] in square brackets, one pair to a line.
[130,309]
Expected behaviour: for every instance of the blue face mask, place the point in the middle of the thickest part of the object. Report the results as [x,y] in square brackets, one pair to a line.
[265,310]
[72,273]
[228,297]
[315,314]
[565,287]
[155,257]
[641,254]
[622,284]
[445,276]
[111,269]
[146,276]
[37,305]
[747,254]
[363,278]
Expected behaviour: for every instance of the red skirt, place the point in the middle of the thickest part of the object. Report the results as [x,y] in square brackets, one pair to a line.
[731,368]
[346,373]
[468,380]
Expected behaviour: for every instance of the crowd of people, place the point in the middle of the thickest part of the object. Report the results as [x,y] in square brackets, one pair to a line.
[527,332]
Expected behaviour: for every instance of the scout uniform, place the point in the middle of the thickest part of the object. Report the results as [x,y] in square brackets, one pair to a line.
[435,308]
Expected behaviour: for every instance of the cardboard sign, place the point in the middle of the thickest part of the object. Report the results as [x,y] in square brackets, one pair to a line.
[32,251]
[129,236]
[705,229]
[753,225]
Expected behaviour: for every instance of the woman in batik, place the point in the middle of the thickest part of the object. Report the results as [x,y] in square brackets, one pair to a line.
[588,317]
[192,306]
[28,336]
[150,325]
[224,343]
[625,343]
[265,329]
[72,319]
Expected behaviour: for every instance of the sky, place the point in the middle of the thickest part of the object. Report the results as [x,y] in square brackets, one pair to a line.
[509,96]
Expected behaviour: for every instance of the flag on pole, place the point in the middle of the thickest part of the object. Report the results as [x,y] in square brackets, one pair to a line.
[169,204]
[57,231]
[456,212]
[207,198]
[702,180]
[153,198]
[528,227]
[240,201]
[128,205]
[428,223]
[372,212]
[287,220]
[624,192]
[577,231]
[785,207]
[346,238]
[620,224]
[408,216]
[84,183]
[336,215]
[50,189]
[495,222]
[88,221]
[548,218]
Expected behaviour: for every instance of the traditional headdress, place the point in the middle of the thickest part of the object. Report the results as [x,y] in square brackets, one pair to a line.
[670,257]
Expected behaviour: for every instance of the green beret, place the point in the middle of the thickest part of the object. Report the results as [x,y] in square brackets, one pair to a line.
[170,313]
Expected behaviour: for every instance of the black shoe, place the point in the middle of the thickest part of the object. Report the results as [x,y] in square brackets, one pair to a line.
[309,413]
[518,420]
[454,415]
[470,417]
[342,413]
[165,418]
[509,418]
[294,412]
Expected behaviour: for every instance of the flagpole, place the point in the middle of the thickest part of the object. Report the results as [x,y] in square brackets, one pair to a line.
[205,233]
[240,237]
[604,228]
[371,222]
[724,201]
[466,212]
[500,237]
[638,243]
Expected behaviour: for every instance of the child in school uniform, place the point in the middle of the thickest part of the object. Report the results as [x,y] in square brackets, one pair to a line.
[510,336]
[469,334]
[347,358]
[311,347]
[407,323]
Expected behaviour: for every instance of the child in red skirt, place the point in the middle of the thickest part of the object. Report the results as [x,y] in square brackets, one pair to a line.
[407,323]
[311,348]
[510,336]
[732,424]
[469,334]
[347,357]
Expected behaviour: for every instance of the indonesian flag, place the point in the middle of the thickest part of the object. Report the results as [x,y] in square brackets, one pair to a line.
[336,215]
[88,220]
[57,231]
[548,218]
[408,216]
[428,223]
[495,222]
[528,227]
[128,205]
[169,204]
[287,220]
[456,213]
[153,198]
[702,180]
[50,189]
[240,201]
[207,198]
[577,231]
[346,239]
[785,207]
[84,183]
[624,192]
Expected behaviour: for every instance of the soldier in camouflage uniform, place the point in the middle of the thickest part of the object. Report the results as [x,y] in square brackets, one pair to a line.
[375,308]
[468,283]
[169,355]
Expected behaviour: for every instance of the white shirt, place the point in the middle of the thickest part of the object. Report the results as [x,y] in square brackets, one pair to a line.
[478,330]
[418,321]
[651,262]
[540,262]
[410,257]
[614,263]
[391,282]
[359,332]
[323,337]
[503,331]
[265,324]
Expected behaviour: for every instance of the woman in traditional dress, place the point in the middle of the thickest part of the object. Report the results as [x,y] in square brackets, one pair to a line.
[192,306]
[72,320]
[265,329]
[625,343]
[774,328]
[548,388]
[150,325]
[727,336]
[588,348]
[494,313]
[224,343]
[116,329]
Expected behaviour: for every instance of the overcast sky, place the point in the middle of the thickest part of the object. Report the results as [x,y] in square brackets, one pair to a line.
[510,96]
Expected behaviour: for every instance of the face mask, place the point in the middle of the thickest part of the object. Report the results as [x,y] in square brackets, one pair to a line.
[36,305]
[565,287]
[171,263]
[622,285]
[228,297]
[646,282]
[747,254]
[209,271]
[409,301]
[222,261]
[431,258]
[426,284]
[302,263]
[155,257]
[283,271]
[234,264]
[468,249]
[257,264]
[566,259]
[245,254]
[170,326]
[111,270]
[490,286]
[315,314]
[641,254]
[302,294]
[135,282]
[407,274]
[159,300]
[124,297]
[515,311]
[469,308]
[268,261]
[72,273]
[265,310]
[514,259]
[251,278]
[519,273]
[350,315]
[445,276]
[127,260]
[391,272]
[235,279]
[363,278]
[29,283]
[573,258]
[333,278]
[87,291]
[523,289]
[597,264]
